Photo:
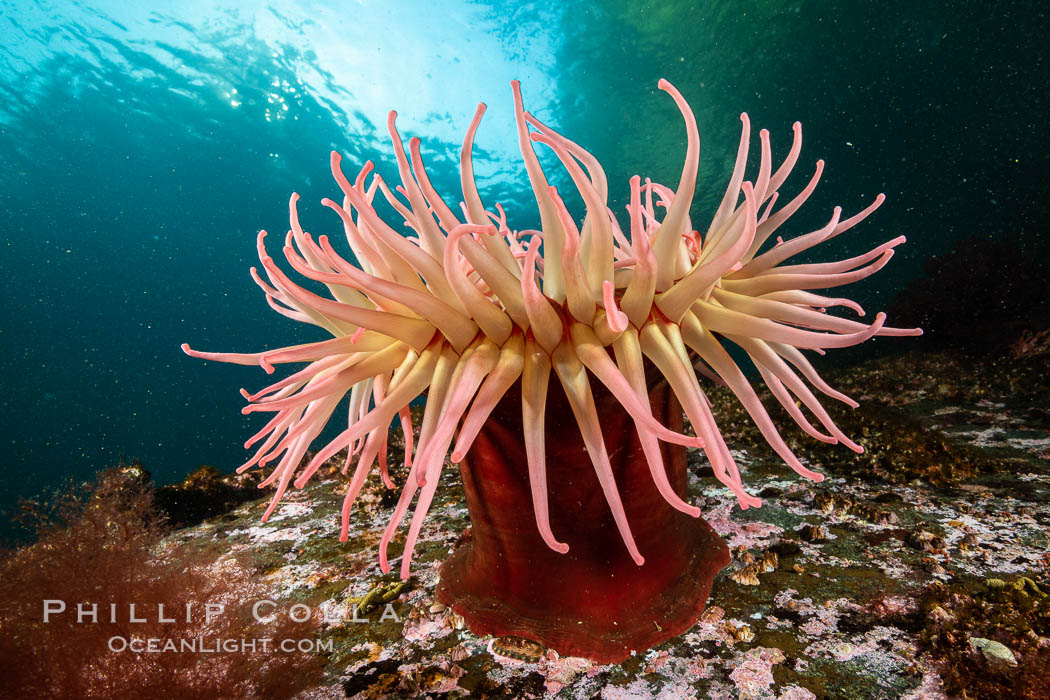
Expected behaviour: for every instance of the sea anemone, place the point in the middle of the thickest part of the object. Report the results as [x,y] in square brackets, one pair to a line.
[470,311]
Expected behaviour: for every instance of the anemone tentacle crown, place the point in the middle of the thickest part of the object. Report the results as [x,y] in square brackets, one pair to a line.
[465,307]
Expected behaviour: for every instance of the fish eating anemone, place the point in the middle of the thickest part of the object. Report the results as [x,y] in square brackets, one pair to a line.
[582,320]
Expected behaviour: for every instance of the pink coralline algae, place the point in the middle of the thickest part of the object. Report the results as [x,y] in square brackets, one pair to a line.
[754,675]
[477,315]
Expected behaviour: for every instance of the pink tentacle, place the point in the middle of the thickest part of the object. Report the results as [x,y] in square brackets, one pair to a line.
[723,320]
[574,379]
[445,216]
[578,293]
[685,387]
[617,319]
[544,321]
[775,282]
[630,362]
[442,375]
[466,379]
[637,301]
[599,265]
[729,200]
[535,379]
[784,397]
[493,321]
[669,234]
[770,225]
[840,265]
[507,371]
[761,354]
[415,332]
[782,252]
[465,384]
[552,283]
[786,167]
[803,365]
[709,348]
[765,165]
[286,468]
[808,299]
[415,382]
[590,351]
[675,302]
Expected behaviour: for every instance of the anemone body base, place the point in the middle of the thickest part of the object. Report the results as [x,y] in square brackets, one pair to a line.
[594,600]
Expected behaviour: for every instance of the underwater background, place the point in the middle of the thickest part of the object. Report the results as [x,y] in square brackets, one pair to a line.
[142,148]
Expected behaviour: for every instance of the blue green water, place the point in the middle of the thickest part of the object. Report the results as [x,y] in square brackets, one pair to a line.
[141,150]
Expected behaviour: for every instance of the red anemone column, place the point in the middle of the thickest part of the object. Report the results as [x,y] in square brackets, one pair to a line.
[593,601]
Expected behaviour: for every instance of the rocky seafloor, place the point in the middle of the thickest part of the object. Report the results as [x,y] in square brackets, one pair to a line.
[919,569]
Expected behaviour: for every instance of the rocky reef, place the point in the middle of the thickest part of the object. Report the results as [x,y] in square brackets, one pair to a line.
[918,569]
